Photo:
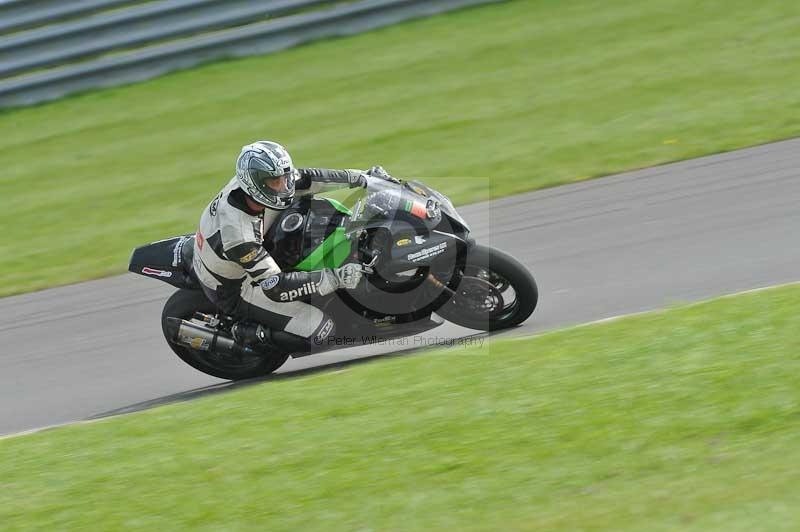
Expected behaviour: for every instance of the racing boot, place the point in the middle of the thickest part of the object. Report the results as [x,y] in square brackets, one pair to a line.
[253,335]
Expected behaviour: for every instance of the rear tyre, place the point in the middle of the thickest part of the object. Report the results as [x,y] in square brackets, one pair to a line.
[496,292]
[183,304]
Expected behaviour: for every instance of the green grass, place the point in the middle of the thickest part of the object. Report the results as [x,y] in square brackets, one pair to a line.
[489,101]
[686,419]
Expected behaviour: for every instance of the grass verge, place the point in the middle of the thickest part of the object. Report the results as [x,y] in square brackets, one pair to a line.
[682,419]
[490,101]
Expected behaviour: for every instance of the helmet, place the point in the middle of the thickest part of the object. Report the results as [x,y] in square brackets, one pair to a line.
[259,168]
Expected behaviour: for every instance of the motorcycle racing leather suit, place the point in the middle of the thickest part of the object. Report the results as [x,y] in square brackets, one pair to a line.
[244,281]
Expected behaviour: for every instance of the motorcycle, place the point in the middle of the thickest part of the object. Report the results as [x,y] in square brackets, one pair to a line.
[421,268]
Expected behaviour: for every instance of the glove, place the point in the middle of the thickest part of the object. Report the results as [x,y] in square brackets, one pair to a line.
[357,178]
[378,171]
[348,277]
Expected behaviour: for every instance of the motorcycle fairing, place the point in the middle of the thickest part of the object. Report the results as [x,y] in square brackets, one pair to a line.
[167,260]
[331,253]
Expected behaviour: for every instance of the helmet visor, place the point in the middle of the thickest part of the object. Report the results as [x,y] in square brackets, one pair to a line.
[281,185]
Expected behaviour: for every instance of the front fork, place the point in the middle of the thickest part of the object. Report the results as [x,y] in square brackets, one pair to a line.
[439,285]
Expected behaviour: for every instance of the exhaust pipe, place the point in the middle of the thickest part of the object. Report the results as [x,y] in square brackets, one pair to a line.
[199,338]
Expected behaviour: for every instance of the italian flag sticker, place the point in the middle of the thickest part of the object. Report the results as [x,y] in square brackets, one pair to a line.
[416,208]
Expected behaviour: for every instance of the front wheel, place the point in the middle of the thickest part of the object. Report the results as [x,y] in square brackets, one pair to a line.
[495,292]
[184,304]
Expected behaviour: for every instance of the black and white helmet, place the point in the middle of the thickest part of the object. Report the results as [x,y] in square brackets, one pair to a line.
[260,169]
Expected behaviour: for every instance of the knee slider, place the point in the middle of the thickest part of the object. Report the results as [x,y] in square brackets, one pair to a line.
[303,346]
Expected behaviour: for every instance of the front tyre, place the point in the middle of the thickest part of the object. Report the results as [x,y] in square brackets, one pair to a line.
[495,292]
[184,304]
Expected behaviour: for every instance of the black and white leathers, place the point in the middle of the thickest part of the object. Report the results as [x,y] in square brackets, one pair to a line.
[231,262]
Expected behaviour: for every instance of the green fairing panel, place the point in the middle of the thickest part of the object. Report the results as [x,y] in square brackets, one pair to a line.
[339,206]
[332,253]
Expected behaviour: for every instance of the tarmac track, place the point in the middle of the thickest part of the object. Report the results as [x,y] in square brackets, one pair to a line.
[626,243]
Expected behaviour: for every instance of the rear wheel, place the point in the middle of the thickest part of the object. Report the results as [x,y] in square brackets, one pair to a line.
[184,304]
[495,292]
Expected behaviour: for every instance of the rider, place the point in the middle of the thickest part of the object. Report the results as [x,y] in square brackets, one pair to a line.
[236,272]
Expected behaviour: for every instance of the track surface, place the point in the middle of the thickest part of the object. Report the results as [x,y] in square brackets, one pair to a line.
[622,244]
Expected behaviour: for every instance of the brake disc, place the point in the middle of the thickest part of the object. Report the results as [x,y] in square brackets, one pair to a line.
[478,296]
[495,279]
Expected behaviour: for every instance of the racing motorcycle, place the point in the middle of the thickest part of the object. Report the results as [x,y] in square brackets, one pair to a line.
[421,267]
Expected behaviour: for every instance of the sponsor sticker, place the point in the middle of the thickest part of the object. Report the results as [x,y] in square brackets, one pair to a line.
[249,257]
[384,321]
[305,290]
[419,191]
[419,239]
[325,331]
[403,242]
[176,253]
[212,209]
[270,283]
[156,273]
[427,253]
[199,343]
